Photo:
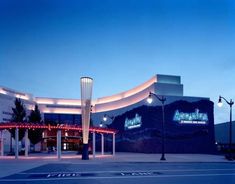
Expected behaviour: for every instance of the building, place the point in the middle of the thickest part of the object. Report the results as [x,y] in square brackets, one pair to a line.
[222,136]
[189,122]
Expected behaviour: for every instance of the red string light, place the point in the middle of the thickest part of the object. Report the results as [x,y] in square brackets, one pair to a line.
[13,125]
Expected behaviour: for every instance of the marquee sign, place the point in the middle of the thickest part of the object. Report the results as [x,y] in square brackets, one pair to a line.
[191,118]
[135,122]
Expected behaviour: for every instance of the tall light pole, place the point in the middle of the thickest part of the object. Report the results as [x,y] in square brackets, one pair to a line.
[86,95]
[230,103]
[162,99]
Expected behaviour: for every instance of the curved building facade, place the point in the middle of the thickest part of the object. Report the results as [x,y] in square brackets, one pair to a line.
[138,124]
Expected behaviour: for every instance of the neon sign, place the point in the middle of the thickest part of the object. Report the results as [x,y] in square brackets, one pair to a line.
[191,118]
[133,123]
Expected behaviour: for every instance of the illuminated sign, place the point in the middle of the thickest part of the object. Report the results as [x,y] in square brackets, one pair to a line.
[191,118]
[134,122]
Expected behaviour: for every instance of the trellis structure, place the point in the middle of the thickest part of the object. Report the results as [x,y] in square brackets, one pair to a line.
[58,128]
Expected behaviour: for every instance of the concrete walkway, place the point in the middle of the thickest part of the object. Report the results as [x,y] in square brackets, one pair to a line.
[9,165]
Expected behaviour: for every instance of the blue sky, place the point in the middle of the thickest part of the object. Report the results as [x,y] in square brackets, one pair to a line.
[46,46]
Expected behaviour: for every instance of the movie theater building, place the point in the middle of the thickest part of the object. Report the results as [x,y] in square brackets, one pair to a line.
[189,121]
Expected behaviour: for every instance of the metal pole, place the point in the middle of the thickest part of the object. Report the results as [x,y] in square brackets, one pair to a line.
[2,143]
[163,132]
[230,131]
[230,125]
[93,141]
[26,142]
[59,144]
[10,143]
[113,144]
[16,143]
[102,144]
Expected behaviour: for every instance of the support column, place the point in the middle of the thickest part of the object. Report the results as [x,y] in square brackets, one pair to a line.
[113,144]
[26,137]
[93,141]
[58,144]
[102,144]
[2,143]
[16,143]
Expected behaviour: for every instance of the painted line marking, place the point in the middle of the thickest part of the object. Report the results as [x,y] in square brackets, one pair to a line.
[161,170]
[122,177]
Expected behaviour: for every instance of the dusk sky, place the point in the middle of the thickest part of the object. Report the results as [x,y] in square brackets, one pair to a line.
[46,46]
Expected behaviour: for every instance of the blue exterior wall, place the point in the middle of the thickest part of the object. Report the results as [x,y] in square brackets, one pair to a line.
[179,138]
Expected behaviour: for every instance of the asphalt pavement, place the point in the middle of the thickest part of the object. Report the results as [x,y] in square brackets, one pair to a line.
[116,171]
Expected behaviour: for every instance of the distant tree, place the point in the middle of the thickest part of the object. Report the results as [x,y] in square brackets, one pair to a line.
[18,116]
[35,117]
[18,112]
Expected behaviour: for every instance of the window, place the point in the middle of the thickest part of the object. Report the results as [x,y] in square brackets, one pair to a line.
[7,113]
[63,118]
[5,119]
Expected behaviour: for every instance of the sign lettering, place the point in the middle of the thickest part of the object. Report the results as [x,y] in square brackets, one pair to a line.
[135,122]
[191,118]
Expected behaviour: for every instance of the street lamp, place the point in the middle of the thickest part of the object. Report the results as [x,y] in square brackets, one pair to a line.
[101,124]
[162,99]
[230,103]
[105,119]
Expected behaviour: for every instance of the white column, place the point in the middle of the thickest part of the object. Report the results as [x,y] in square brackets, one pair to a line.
[113,144]
[58,144]
[26,136]
[102,144]
[2,143]
[93,141]
[16,143]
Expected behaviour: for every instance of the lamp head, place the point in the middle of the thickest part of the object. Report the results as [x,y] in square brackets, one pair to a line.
[220,103]
[150,98]
[101,124]
[105,118]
